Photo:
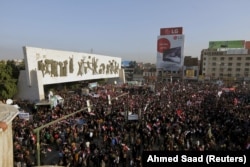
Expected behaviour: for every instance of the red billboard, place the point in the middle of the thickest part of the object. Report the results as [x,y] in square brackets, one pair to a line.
[171,31]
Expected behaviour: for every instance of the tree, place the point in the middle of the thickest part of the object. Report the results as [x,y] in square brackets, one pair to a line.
[132,64]
[8,84]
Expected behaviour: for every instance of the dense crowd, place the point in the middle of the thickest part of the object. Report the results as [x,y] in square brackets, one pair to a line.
[173,117]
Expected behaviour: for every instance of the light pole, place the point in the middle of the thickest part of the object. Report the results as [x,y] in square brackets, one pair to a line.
[110,102]
[37,131]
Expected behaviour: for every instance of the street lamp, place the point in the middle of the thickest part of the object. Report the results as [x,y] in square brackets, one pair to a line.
[37,131]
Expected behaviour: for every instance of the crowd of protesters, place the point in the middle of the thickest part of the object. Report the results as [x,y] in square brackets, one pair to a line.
[173,117]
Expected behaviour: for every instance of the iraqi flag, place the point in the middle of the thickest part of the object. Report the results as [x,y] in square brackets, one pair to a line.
[149,127]
[125,147]
[180,114]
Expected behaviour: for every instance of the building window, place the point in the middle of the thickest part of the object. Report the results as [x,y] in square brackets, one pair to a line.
[238,64]
[221,74]
[237,69]
[213,64]
[213,69]
[238,58]
[214,58]
[230,58]
[222,64]
[246,69]
[237,75]
[222,58]
[230,64]
[247,58]
[246,64]
[229,69]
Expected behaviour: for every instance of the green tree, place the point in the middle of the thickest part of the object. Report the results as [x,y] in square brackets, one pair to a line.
[8,84]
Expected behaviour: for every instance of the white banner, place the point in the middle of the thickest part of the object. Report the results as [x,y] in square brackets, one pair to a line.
[23,115]
[133,117]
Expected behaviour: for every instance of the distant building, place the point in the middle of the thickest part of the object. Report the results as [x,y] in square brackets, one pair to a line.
[228,64]
[150,75]
[190,68]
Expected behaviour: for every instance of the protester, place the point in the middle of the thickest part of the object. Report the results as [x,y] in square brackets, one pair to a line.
[175,116]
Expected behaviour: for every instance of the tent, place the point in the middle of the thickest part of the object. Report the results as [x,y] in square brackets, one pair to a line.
[56,100]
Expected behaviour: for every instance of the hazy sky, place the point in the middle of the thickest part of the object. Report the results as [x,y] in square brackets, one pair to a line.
[120,28]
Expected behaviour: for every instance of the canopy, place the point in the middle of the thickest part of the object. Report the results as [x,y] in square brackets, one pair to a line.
[7,112]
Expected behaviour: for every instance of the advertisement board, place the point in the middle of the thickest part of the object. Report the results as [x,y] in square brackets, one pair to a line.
[171,31]
[170,52]
[226,44]
[189,73]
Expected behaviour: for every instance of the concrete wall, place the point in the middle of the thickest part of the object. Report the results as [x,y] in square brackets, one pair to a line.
[33,91]
[46,66]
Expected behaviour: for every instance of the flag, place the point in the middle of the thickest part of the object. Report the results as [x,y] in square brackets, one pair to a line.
[125,147]
[180,114]
[149,127]
[91,113]
[49,149]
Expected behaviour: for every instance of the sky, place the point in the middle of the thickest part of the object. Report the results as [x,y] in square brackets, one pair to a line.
[119,28]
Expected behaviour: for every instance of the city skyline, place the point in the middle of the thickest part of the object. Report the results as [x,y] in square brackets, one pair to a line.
[126,29]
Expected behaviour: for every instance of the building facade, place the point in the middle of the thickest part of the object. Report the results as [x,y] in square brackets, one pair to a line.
[190,68]
[227,64]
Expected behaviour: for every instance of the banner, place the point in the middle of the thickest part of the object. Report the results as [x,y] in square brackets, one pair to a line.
[23,115]
[226,44]
[93,85]
[133,117]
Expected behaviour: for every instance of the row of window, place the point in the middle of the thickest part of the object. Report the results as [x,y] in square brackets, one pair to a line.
[229,58]
[228,64]
[229,69]
[228,75]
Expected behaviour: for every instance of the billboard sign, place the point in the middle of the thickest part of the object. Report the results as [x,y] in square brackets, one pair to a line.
[226,44]
[171,31]
[125,63]
[170,52]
